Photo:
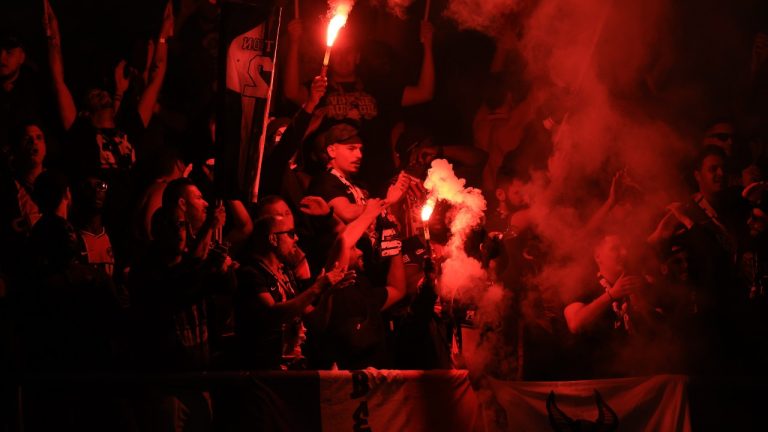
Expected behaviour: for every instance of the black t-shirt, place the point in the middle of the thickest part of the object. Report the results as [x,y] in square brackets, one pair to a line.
[596,349]
[105,150]
[356,336]
[170,303]
[260,336]
[327,186]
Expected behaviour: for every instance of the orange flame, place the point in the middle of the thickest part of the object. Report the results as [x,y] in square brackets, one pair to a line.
[426,211]
[337,22]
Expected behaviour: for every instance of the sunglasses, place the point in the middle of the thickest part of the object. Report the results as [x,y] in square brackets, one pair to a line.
[290,233]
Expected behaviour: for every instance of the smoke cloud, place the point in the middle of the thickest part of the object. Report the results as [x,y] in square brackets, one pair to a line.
[399,8]
[340,7]
[589,65]
[461,274]
[488,16]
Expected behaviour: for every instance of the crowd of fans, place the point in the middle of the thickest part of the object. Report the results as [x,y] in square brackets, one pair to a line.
[118,255]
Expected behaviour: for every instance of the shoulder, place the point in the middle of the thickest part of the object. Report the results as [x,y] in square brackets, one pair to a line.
[253,278]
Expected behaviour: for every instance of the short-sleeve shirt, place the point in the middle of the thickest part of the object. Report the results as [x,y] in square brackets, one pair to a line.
[327,186]
[595,350]
[105,149]
[260,336]
[356,336]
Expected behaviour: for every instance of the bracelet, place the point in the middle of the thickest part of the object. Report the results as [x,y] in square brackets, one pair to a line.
[117,97]
[608,291]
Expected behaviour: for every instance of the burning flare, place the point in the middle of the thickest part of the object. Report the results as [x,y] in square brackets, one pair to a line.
[337,22]
[340,10]
[426,211]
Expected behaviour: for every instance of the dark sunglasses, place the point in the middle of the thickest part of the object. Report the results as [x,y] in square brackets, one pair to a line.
[290,233]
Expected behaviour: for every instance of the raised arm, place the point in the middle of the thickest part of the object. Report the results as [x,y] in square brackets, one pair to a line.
[425,89]
[64,100]
[292,88]
[242,226]
[157,70]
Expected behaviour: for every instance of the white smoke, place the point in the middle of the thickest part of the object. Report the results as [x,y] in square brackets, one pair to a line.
[487,16]
[399,8]
[461,275]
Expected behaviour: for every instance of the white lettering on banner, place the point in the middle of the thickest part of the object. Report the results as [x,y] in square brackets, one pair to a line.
[247,67]
[248,62]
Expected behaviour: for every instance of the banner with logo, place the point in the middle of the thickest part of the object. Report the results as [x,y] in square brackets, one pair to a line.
[376,400]
[657,403]
[248,40]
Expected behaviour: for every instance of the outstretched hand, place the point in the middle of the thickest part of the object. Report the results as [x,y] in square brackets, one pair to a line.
[121,82]
[51,24]
[317,90]
[314,206]
[396,192]
[166,30]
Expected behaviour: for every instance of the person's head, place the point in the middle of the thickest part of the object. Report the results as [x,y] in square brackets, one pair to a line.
[98,99]
[51,193]
[168,164]
[276,235]
[344,58]
[415,150]
[29,147]
[610,254]
[182,197]
[720,133]
[510,192]
[272,205]
[12,56]
[169,232]
[344,148]
[89,193]
[675,264]
[709,170]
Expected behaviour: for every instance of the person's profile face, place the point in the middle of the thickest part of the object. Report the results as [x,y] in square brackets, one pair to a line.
[196,207]
[711,175]
[285,237]
[11,60]
[347,157]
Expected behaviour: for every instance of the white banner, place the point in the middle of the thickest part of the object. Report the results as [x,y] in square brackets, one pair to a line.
[657,403]
[373,400]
